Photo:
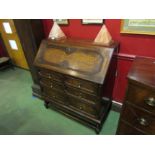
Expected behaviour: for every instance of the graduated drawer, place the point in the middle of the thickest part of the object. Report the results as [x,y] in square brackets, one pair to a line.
[83,95]
[142,97]
[51,84]
[139,119]
[84,85]
[82,106]
[54,95]
[51,75]
[126,129]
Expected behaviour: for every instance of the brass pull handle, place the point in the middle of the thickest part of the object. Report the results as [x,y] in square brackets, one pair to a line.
[143,121]
[68,49]
[50,76]
[51,86]
[80,107]
[150,101]
[79,86]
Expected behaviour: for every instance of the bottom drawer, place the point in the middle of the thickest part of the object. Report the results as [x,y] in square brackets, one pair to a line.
[125,129]
[139,119]
[83,106]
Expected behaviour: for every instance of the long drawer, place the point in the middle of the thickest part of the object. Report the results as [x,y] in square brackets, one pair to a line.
[141,97]
[139,119]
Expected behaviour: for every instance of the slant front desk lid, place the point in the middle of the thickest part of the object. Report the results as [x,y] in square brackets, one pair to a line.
[82,60]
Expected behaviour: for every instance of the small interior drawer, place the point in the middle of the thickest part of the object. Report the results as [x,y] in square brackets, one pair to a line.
[142,97]
[139,119]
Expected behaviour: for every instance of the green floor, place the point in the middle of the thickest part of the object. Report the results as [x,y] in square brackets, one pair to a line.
[21,113]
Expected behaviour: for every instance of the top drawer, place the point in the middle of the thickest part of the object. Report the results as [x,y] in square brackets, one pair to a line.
[142,97]
[84,85]
[51,75]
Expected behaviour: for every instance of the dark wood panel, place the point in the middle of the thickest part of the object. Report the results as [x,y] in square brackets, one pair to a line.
[30,33]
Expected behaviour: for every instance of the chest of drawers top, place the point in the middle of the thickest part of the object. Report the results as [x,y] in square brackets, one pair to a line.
[79,59]
[143,72]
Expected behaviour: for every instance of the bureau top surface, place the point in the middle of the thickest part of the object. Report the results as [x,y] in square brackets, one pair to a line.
[79,59]
[143,71]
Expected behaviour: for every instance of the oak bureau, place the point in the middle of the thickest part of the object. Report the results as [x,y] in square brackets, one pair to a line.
[77,78]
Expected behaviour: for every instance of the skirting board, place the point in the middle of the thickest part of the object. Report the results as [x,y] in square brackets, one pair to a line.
[116,106]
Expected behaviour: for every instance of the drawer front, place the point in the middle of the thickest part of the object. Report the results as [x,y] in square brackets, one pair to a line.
[139,119]
[51,84]
[51,75]
[142,97]
[86,86]
[80,94]
[54,95]
[82,106]
[125,129]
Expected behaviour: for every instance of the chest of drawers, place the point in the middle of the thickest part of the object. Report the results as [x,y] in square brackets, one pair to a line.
[138,111]
[72,77]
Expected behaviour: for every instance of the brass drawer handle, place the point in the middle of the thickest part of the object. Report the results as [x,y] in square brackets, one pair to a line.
[51,86]
[50,76]
[79,85]
[80,108]
[45,75]
[142,121]
[68,49]
[150,101]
